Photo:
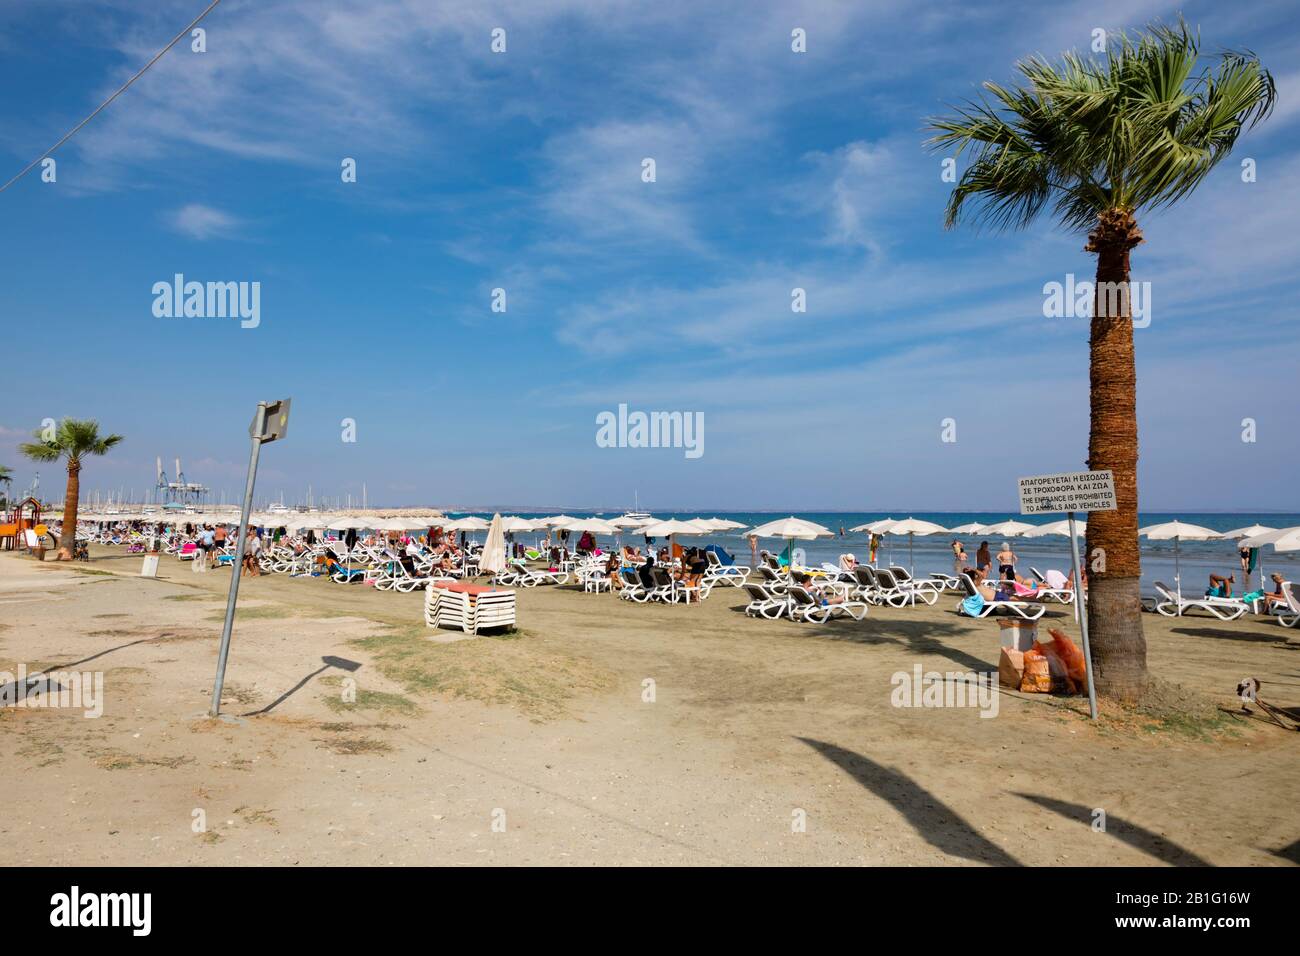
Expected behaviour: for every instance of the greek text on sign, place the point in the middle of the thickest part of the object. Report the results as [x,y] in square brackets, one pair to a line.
[1072,491]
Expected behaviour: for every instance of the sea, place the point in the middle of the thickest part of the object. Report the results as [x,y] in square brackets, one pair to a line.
[1195,560]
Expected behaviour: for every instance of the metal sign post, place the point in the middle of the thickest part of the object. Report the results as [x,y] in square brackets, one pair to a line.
[1082,609]
[271,422]
[1071,492]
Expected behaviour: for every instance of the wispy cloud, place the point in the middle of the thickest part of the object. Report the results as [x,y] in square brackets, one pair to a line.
[198,221]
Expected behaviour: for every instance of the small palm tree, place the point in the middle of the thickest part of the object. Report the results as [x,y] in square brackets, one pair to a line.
[1096,142]
[6,479]
[73,439]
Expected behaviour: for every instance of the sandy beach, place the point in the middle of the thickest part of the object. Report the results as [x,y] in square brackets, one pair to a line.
[606,733]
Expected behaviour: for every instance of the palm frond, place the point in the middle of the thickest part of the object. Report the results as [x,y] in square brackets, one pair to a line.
[1140,128]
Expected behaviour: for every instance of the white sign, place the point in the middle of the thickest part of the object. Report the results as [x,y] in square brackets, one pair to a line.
[1071,491]
[150,567]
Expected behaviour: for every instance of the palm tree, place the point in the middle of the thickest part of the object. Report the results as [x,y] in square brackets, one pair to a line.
[1098,141]
[6,479]
[73,439]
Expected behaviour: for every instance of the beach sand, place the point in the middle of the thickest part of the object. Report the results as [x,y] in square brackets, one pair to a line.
[541,747]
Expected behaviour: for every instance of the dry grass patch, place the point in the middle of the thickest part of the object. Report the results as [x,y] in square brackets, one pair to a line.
[516,673]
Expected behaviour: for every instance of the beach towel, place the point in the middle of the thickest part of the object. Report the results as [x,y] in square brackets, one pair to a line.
[973,605]
[784,559]
[726,559]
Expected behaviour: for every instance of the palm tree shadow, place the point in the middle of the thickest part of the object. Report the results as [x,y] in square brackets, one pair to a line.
[937,824]
[1290,852]
[1138,837]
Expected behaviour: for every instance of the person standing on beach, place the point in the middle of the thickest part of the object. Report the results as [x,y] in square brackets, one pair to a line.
[959,558]
[753,549]
[1007,563]
[252,547]
[875,546]
[983,559]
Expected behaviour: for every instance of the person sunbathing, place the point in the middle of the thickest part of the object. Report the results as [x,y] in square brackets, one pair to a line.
[1276,596]
[987,589]
[612,568]
[1220,586]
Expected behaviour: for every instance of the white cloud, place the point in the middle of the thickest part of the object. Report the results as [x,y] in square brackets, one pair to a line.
[204,222]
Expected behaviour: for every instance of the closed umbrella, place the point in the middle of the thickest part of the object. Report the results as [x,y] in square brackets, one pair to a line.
[1178,531]
[492,559]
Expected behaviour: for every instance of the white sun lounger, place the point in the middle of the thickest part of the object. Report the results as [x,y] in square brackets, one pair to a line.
[763,603]
[805,607]
[1026,609]
[1288,615]
[1225,609]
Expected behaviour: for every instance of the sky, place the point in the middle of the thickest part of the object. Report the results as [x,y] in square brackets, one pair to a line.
[524,171]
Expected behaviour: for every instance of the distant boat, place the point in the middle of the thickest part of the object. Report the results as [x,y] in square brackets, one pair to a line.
[636,514]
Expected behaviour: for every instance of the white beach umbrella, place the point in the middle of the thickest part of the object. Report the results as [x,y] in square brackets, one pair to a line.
[973,528]
[912,527]
[711,524]
[469,523]
[1283,539]
[556,521]
[1178,531]
[594,525]
[876,527]
[350,523]
[671,527]
[1006,529]
[725,524]
[628,522]
[396,524]
[791,529]
[1250,532]
[1057,527]
[512,523]
[493,557]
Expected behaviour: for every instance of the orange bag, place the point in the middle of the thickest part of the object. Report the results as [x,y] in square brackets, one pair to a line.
[1056,667]
[1038,673]
[1075,666]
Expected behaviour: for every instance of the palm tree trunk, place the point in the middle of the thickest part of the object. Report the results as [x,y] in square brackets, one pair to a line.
[68,537]
[1119,649]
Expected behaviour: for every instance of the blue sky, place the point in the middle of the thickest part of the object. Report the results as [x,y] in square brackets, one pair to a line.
[522,171]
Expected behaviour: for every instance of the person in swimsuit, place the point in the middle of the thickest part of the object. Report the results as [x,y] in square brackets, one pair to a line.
[1275,596]
[1221,586]
[959,557]
[1006,563]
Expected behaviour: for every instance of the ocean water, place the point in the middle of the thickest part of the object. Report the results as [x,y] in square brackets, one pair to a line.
[1196,559]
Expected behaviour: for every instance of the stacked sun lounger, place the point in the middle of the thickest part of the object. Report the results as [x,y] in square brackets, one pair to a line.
[470,608]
